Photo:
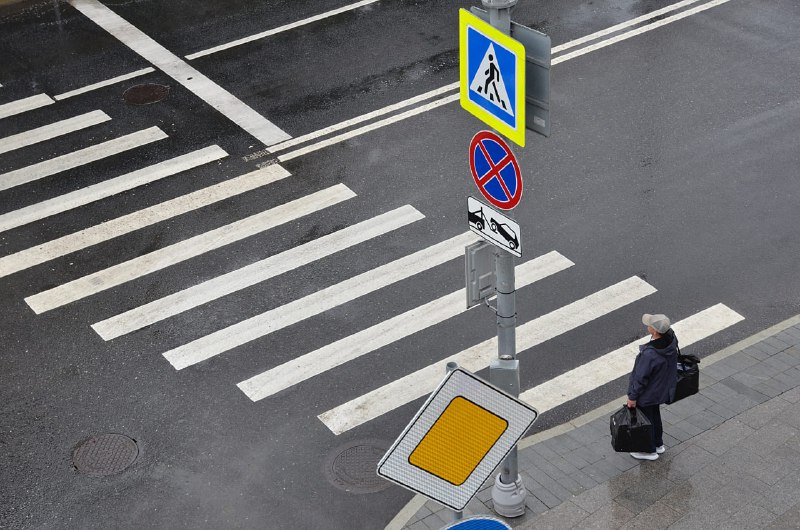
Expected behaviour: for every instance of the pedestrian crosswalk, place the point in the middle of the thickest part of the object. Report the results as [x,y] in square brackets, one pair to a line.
[270,377]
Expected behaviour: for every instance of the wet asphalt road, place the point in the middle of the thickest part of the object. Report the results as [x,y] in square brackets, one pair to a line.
[673,158]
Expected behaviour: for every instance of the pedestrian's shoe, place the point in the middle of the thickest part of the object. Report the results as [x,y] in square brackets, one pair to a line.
[645,456]
[660,449]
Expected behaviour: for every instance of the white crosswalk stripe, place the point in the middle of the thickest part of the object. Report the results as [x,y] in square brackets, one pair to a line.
[337,353]
[417,384]
[188,248]
[79,158]
[24,105]
[619,362]
[265,323]
[254,273]
[140,219]
[110,187]
[53,130]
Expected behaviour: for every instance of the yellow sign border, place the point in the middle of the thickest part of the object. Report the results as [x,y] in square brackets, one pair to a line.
[467,20]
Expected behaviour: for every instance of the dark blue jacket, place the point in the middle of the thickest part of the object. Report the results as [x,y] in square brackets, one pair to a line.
[655,371]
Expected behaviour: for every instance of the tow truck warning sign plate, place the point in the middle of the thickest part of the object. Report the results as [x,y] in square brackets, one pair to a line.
[494,227]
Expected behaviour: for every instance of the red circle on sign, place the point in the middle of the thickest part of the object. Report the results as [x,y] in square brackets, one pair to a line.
[492,162]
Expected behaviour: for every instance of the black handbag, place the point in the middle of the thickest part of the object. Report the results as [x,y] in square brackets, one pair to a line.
[631,431]
[688,382]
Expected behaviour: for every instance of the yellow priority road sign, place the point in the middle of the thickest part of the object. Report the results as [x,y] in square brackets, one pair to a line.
[460,435]
[492,76]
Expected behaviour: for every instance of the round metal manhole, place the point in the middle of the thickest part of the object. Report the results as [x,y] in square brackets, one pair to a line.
[105,454]
[145,94]
[352,467]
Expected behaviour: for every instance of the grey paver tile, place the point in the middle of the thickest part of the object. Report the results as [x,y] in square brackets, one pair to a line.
[788,520]
[722,411]
[638,497]
[792,396]
[705,419]
[595,498]
[567,515]
[681,466]
[786,357]
[722,438]
[769,438]
[743,389]
[787,336]
[418,525]
[748,517]
[763,413]
[612,515]
[778,362]
[739,362]
[790,377]
[689,427]
[776,343]
[755,353]
[655,517]
[535,505]
[584,480]
[720,371]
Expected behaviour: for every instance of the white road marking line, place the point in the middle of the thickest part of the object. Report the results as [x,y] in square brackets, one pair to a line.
[370,127]
[623,25]
[200,85]
[368,340]
[557,60]
[264,34]
[618,363]
[359,119]
[24,105]
[265,323]
[80,157]
[136,220]
[423,381]
[186,249]
[637,31]
[107,82]
[101,190]
[254,273]
[53,130]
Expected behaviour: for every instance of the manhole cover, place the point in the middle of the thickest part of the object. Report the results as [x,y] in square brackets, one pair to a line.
[352,467]
[145,94]
[105,454]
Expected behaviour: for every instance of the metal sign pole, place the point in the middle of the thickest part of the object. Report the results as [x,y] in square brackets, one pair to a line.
[508,492]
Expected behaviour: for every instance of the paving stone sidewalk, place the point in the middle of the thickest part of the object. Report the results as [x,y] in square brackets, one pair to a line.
[732,459]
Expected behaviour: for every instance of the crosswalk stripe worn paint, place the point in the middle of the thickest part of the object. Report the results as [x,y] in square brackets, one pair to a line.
[24,105]
[53,130]
[186,249]
[81,157]
[265,323]
[134,221]
[254,273]
[478,357]
[396,328]
[101,190]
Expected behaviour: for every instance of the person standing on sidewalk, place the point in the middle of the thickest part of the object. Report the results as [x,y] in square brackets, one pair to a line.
[652,381]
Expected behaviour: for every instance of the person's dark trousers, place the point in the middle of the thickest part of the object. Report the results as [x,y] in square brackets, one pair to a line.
[653,413]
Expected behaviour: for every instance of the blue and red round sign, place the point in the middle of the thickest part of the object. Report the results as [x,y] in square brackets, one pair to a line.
[495,170]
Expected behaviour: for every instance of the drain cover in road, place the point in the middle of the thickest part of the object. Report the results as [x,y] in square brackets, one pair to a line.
[145,94]
[105,454]
[352,467]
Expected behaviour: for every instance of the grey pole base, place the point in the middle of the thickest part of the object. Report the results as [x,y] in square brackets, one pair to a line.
[508,500]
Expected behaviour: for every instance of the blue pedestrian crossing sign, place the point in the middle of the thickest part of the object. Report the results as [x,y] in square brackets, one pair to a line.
[492,76]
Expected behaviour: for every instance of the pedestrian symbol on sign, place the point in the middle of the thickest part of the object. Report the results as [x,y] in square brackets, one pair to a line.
[488,82]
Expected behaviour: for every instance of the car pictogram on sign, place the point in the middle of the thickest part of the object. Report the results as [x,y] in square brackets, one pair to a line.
[506,232]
